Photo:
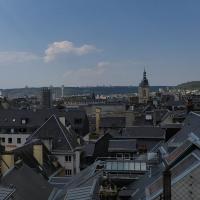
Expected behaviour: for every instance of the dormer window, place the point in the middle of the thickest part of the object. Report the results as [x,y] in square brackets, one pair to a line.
[24,121]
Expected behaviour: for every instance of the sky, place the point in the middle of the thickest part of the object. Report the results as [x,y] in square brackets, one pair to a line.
[98,42]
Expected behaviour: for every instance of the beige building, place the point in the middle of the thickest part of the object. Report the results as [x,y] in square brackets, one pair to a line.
[143,90]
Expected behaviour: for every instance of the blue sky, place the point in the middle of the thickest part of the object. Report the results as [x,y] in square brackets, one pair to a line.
[98,42]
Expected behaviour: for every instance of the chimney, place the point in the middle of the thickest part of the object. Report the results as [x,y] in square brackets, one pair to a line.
[6,162]
[77,161]
[98,118]
[130,118]
[38,153]
[167,184]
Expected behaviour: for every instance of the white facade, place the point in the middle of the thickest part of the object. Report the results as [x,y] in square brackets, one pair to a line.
[71,162]
[12,141]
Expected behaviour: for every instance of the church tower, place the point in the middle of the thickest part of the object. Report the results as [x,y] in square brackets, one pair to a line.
[143,89]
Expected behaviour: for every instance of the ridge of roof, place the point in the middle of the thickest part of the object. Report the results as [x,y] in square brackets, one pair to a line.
[64,132]
[29,138]
[194,113]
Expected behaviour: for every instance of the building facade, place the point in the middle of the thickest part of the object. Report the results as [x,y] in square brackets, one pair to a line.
[46,98]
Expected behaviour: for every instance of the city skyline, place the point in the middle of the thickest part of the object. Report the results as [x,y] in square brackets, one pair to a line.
[91,43]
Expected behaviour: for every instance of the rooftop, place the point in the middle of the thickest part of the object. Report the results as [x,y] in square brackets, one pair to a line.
[28,183]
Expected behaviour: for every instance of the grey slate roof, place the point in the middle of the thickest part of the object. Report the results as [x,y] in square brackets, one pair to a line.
[63,139]
[112,122]
[181,160]
[142,132]
[35,118]
[6,193]
[83,193]
[85,177]
[138,187]
[180,170]
[59,182]
[12,118]
[84,180]
[191,124]
[25,153]
[28,184]
[122,145]
[150,186]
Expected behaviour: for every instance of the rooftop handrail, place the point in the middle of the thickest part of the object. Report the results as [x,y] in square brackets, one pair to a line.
[138,158]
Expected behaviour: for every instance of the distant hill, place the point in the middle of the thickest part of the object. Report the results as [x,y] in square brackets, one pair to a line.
[190,85]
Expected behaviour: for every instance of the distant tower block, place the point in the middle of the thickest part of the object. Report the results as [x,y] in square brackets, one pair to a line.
[46,98]
[62,90]
[143,89]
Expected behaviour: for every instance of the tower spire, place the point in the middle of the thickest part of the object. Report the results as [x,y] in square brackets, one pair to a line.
[144,74]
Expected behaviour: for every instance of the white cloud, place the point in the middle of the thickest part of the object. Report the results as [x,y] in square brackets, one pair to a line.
[102,64]
[16,56]
[66,47]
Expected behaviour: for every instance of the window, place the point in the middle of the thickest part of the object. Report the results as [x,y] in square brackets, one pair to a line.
[68,158]
[22,130]
[77,121]
[18,140]
[68,172]
[9,140]
[3,140]
[119,156]
[24,121]
[126,156]
[12,130]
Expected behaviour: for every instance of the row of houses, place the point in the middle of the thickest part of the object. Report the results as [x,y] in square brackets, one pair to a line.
[126,162]
[176,170]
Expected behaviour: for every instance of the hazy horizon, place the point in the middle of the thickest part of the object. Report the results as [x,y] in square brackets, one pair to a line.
[97,86]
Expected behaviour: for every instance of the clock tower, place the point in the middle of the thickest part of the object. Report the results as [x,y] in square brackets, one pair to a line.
[143,89]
